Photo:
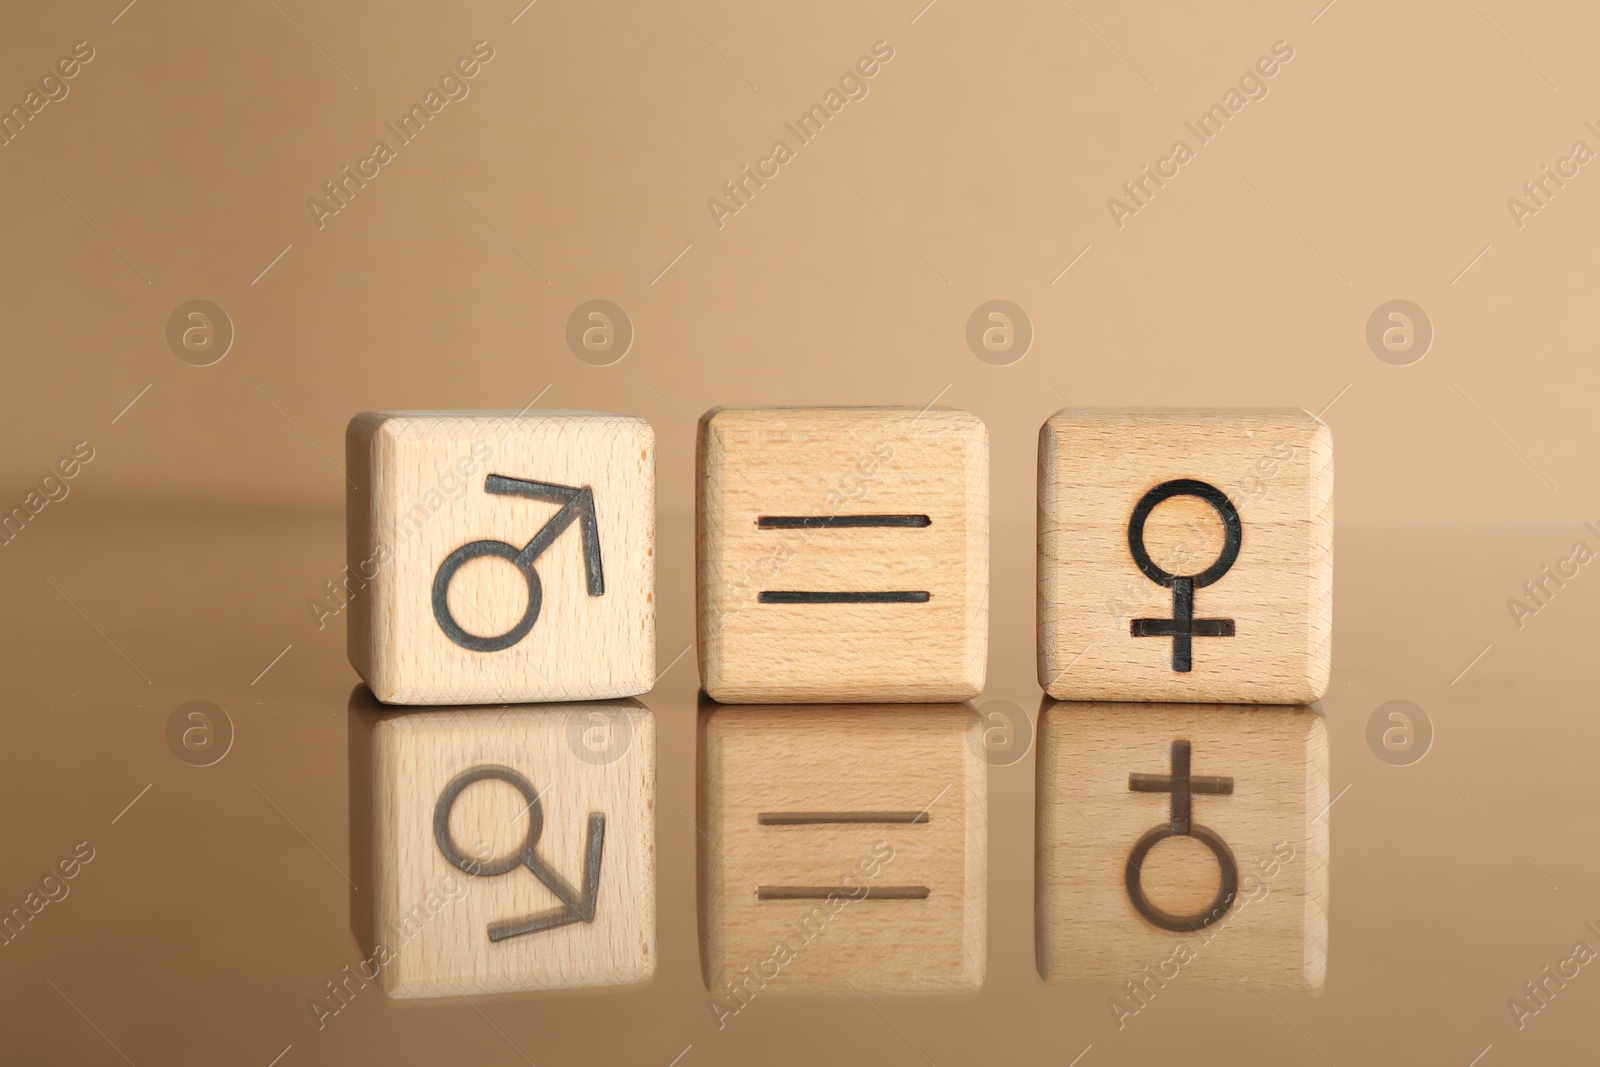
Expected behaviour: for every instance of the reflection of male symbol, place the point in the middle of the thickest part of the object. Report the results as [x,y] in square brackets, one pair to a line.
[1183,626]
[575,907]
[576,504]
[1181,784]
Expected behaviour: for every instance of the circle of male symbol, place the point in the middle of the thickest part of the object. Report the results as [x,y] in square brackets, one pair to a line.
[441,602]
[577,506]
[1182,785]
[447,801]
[575,907]
[1183,626]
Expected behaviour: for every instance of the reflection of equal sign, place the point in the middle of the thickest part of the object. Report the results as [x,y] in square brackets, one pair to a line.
[842,522]
[837,818]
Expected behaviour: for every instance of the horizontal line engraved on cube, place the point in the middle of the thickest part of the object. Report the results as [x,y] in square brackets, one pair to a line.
[823,892]
[817,818]
[848,596]
[836,818]
[837,522]
[1140,782]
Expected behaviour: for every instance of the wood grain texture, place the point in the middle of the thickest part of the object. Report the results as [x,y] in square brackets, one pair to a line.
[419,495]
[1276,466]
[1273,821]
[423,922]
[821,467]
[858,779]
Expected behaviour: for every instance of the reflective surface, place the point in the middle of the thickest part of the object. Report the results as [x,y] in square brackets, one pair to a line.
[842,850]
[209,904]
[501,849]
[1153,867]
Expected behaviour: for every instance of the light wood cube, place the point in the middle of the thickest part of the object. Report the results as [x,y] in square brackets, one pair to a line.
[843,554]
[1181,845]
[498,850]
[501,556]
[843,850]
[1186,555]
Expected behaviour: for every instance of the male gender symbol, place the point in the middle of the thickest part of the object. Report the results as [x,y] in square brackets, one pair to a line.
[1181,784]
[576,505]
[576,907]
[1183,626]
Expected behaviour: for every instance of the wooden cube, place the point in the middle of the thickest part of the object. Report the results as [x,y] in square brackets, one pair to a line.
[843,850]
[1181,845]
[501,556]
[843,554]
[1185,555]
[497,850]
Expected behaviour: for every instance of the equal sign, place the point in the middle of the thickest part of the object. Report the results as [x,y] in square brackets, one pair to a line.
[843,522]
[835,818]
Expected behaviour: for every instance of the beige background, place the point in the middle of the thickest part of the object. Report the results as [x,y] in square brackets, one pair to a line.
[181,565]
[978,166]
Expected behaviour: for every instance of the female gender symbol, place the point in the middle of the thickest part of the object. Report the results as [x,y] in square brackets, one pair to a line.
[1182,785]
[1183,626]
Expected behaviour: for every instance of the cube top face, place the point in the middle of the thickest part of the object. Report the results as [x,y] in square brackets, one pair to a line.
[1185,556]
[509,556]
[1253,813]
[513,849]
[844,851]
[843,554]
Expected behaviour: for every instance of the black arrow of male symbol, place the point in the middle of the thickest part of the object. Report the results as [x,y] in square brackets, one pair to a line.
[577,504]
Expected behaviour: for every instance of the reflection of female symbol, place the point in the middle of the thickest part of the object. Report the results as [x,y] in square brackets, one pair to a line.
[575,907]
[1181,785]
[1183,626]
[577,504]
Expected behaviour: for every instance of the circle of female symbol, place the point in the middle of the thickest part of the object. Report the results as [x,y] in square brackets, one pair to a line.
[1183,627]
[576,906]
[577,505]
[1182,785]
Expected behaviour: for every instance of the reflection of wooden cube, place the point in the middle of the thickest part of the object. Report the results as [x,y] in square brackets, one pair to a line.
[1137,597]
[499,556]
[843,554]
[843,849]
[1257,793]
[434,912]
